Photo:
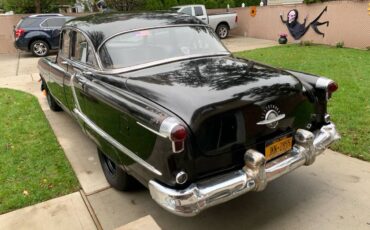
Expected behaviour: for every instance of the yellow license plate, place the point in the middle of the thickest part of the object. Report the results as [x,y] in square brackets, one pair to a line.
[278,147]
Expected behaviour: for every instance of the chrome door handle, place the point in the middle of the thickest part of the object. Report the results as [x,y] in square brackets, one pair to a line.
[87,73]
[81,80]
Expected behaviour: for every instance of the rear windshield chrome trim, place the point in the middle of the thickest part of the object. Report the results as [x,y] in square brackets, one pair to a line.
[164,61]
[147,28]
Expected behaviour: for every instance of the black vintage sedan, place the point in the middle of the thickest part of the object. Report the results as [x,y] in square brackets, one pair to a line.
[169,106]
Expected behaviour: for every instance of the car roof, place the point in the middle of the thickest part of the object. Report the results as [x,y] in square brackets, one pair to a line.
[45,15]
[104,25]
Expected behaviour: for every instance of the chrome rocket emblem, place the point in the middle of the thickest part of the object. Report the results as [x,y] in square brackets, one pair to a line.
[271,116]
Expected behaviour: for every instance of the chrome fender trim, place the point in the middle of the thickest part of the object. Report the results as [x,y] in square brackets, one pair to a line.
[115,143]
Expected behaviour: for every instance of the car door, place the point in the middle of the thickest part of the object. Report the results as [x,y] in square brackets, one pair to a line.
[200,14]
[86,97]
[82,65]
[59,69]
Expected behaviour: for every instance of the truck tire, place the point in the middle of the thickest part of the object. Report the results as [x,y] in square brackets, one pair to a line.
[53,105]
[222,30]
[117,177]
[39,48]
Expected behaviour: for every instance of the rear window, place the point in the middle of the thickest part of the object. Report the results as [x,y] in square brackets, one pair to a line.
[29,22]
[54,22]
[145,46]
[186,10]
[198,11]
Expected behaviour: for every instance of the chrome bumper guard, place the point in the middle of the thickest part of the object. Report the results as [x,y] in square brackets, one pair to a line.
[254,176]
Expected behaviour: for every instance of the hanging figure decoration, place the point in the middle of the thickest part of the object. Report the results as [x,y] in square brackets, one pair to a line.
[296,29]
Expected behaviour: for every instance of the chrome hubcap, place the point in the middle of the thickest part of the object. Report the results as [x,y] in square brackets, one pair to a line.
[40,48]
[222,32]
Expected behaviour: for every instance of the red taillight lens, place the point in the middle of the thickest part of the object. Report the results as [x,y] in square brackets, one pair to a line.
[332,87]
[178,133]
[236,18]
[19,32]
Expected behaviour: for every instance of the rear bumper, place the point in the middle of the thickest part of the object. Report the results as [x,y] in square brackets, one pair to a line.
[254,176]
[21,44]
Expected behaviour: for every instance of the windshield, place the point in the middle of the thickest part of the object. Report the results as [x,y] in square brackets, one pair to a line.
[145,46]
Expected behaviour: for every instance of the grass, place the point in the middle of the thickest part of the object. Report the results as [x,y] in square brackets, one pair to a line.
[350,105]
[33,165]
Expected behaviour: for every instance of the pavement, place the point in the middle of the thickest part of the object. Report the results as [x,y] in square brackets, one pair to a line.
[330,194]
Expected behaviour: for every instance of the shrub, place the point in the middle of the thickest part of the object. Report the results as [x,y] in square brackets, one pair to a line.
[153,5]
[169,3]
[211,4]
[339,45]
[306,43]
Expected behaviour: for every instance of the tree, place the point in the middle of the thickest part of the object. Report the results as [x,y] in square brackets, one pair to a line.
[152,5]
[169,3]
[211,4]
[126,5]
[38,6]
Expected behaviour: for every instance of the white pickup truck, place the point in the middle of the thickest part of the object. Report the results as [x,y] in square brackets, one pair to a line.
[222,23]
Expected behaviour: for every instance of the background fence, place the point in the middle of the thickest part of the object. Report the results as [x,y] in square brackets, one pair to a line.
[349,22]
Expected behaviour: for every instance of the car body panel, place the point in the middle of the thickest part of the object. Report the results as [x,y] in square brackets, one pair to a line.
[219,100]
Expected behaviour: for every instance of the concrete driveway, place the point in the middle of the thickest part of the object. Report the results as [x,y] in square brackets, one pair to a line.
[331,194]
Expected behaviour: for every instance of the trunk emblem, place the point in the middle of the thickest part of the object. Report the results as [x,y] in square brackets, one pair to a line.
[271,117]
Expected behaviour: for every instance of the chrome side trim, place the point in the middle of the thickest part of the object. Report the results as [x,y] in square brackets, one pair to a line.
[322,83]
[77,104]
[148,28]
[151,130]
[265,122]
[115,143]
[254,176]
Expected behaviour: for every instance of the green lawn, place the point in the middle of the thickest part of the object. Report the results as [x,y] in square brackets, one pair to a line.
[33,167]
[350,68]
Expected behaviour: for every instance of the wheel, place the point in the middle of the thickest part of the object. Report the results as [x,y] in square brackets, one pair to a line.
[39,48]
[115,175]
[53,105]
[222,31]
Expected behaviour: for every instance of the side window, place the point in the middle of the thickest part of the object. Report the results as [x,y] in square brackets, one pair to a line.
[64,44]
[186,10]
[54,22]
[81,51]
[198,11]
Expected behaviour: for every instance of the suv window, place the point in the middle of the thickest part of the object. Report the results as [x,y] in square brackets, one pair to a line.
[81,51]
[64,43]
[186,10]
[198,11]
[29,22]
[54,22]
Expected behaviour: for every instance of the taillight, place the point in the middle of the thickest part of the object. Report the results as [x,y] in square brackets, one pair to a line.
[332,87]
[178,133]
[19,32]
[236,18]
[175,131]
[328,85]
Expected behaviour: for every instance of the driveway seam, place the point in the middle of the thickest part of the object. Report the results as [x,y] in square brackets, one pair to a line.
[97,191]
[18,61]
[91,210]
